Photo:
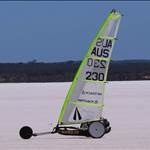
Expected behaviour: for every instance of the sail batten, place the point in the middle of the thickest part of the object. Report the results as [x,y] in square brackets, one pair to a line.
[84,101]
[102,82]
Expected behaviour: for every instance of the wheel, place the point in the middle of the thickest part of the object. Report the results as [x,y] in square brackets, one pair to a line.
[96,129]
[26,132]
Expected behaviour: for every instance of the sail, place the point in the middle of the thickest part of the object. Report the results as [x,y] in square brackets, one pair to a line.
[84,101]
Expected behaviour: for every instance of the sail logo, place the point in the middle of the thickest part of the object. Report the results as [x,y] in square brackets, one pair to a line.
[77,115]
[91,93]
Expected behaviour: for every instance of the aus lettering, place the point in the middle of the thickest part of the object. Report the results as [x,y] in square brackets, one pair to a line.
[100,52]
[105,43]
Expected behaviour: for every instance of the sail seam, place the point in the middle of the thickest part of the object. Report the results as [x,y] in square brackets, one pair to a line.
[100,58]
[104,81]
[108,37]
[87,104]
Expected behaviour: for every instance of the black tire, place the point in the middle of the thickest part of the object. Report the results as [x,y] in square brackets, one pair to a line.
[25,132]
[107,130]
[106,122]
[96,129]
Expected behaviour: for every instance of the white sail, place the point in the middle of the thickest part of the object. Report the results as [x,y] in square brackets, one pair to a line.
[84,101]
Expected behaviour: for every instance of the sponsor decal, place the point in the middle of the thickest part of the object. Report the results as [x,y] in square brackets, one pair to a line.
[90,93]
[88,101]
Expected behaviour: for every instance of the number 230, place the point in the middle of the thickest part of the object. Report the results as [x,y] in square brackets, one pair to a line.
[94,76]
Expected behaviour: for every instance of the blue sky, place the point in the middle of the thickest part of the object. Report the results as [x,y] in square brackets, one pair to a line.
[61,31]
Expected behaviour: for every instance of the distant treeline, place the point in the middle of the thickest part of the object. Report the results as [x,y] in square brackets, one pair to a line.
[65,71]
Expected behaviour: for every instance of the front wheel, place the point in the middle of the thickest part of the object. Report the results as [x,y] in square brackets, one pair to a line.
[96,129]
[26,132]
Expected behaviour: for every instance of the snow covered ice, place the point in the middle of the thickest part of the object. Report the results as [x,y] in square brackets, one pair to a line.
[127,107]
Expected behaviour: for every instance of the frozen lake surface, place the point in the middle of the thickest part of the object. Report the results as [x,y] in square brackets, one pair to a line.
[127,107]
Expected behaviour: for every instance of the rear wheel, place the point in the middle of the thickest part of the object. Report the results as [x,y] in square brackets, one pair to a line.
[96,129]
